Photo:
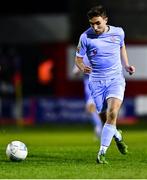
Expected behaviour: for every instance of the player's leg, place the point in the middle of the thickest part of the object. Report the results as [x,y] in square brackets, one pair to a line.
[114,94]
[96,120]
[116,90]
[90,107]
[118,134]
[109,128]
[112,113]
[97,89]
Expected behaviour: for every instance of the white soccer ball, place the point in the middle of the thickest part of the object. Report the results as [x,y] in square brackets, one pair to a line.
[16,151]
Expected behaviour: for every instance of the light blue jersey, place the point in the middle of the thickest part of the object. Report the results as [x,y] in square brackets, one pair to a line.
[103,51]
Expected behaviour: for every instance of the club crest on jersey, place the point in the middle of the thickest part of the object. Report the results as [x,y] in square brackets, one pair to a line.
[112,38]
[94,52]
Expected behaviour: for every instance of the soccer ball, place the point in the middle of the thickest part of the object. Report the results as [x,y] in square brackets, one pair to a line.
[16,151]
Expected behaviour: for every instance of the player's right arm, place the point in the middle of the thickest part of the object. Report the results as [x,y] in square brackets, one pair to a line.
[81,65]
[76,71]
[80,53]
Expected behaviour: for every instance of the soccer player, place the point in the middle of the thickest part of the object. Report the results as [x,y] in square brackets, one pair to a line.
[105,49]
[90,105]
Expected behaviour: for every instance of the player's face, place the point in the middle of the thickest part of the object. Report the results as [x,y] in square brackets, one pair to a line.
[99,24]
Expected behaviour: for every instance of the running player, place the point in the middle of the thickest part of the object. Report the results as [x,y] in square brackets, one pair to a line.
[106,51]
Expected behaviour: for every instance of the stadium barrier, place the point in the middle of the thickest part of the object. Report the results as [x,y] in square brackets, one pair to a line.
[61,110]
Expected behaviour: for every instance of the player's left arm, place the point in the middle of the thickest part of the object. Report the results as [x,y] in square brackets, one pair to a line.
[124,58]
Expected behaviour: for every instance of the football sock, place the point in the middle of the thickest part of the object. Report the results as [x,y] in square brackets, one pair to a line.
[98,131]
[97,123]
[103,150]
[108,132]
[118,135]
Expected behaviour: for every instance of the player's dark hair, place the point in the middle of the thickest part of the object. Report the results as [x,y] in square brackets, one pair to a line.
[97,11]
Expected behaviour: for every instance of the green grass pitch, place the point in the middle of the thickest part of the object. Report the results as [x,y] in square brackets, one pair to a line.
[70,153]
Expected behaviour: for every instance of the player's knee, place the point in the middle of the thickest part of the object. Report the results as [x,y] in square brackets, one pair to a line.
[112,114]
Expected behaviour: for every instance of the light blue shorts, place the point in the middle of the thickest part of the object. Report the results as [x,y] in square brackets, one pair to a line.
[101,90]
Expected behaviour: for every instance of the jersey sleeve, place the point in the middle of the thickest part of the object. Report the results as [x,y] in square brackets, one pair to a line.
[122,37]
[81,48]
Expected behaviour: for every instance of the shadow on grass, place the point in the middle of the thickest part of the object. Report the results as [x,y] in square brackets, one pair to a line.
[58,159]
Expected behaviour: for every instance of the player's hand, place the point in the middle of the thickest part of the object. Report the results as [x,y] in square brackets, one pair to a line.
[86,69]
[130,69]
